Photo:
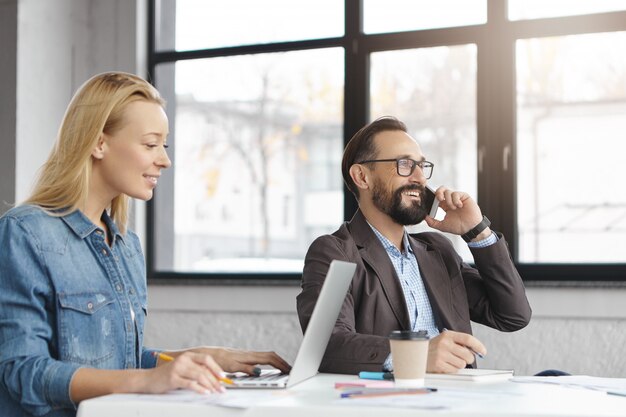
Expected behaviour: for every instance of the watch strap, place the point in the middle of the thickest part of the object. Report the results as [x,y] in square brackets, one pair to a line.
[469,236]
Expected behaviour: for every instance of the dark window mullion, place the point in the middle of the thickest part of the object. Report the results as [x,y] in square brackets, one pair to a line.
[171,55]
[356,90]
[150,215]
[570,25]
[424,38]
[495,119]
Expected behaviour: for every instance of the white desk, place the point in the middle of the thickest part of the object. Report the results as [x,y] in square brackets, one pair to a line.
[317,397]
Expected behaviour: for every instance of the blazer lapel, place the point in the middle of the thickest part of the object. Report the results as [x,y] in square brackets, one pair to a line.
[373,253]
[438,287]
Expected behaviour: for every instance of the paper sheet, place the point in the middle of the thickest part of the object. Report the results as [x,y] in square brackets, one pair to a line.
[578,381]
[231,398]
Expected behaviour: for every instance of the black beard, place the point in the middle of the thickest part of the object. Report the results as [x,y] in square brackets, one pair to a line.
[391,204]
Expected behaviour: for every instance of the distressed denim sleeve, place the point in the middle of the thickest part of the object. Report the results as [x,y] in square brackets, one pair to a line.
[148,358]
[29,375]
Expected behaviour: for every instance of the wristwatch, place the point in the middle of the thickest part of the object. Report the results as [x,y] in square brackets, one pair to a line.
[485,223]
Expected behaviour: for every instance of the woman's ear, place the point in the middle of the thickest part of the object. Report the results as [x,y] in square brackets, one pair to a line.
[360,176]
[100,148]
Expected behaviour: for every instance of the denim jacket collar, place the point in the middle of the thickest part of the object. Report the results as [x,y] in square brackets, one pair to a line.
[83,227]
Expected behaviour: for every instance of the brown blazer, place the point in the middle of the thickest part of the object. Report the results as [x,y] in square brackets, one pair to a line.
[491,294]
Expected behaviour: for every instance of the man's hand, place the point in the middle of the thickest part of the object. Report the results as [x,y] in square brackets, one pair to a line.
[462,213]
[451,351]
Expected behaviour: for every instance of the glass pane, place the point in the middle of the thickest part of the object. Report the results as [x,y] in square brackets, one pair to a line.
[571,95]
[257,160]
[201,24]
[433,91]
[383,16]
[537,9]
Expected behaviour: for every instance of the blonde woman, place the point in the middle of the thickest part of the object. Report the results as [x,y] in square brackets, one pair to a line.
[73,301]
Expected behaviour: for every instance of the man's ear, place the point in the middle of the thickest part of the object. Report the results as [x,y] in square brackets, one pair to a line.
[360,176]
[98,151]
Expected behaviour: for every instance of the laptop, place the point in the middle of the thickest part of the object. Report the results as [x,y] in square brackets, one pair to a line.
[315,338]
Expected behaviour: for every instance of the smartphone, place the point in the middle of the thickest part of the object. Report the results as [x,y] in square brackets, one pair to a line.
[432,204]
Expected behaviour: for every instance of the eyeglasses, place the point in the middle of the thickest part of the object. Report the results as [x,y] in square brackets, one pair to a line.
[406,166]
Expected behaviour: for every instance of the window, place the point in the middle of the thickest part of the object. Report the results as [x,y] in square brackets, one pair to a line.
[433,91]
[520,103]
[536,9]
[200,24]
[571,96]
[384,16]
[257,162]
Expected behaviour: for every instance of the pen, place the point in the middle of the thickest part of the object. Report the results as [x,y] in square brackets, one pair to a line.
[480,355]
[167,358]
[375,375]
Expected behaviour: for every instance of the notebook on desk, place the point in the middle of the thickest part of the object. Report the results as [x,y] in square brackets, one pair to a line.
[315,338]
[475,375]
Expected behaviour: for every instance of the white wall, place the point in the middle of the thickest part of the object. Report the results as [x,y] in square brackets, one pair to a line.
[63,42]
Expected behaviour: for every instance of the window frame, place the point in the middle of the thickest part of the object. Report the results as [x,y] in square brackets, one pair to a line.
[495,121]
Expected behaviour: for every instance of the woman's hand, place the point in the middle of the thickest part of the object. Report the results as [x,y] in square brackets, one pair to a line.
[236,360]
[195,371]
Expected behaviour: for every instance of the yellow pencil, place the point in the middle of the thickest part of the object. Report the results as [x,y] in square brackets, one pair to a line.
[226,380]
[163,356]
[167,358]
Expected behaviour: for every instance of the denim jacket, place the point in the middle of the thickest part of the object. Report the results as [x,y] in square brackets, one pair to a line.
[67,300]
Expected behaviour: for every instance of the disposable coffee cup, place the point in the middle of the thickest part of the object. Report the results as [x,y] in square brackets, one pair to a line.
[409,353]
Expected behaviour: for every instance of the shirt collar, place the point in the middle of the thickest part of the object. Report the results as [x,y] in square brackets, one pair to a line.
[387,243]
[83,227]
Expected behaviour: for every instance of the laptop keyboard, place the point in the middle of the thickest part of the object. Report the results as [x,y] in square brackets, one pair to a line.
[264,378]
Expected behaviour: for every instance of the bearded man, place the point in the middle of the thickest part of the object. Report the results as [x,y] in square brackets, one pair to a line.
[409,281]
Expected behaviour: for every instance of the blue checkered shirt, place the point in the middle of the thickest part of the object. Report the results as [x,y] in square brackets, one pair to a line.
[417,302]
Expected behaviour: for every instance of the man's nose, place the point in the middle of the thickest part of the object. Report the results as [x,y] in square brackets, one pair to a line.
[418,175]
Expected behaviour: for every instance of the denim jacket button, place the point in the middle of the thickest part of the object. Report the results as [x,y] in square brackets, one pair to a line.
[104,252]
[118,287]
[90,305]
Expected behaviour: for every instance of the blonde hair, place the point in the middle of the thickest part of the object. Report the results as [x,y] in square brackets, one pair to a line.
[97,107]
